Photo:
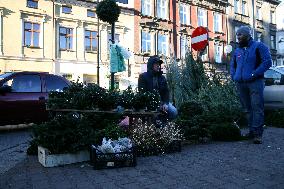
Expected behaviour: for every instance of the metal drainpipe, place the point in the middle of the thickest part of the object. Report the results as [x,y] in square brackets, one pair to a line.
[98,50]
[53,36]
[253,19]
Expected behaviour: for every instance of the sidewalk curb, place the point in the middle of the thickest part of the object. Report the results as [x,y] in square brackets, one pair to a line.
[14,127]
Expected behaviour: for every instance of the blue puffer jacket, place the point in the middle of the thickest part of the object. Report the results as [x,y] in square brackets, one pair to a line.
[250,63]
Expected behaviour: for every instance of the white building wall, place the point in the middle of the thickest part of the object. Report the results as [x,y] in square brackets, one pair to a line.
[280,34]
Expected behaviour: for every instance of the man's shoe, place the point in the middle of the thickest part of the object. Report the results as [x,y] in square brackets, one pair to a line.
[257,140]
[248,135]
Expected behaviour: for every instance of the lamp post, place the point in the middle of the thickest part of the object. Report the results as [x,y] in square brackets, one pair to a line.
[112,40]
[108,11]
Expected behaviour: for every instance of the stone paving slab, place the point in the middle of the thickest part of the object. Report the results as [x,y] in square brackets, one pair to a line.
[219,165]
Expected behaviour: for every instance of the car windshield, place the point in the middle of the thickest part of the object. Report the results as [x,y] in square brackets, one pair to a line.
[2,76]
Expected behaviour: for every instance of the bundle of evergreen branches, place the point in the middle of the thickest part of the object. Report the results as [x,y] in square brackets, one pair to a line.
[204,98]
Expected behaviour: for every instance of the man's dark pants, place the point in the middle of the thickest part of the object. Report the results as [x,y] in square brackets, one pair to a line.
[251,97]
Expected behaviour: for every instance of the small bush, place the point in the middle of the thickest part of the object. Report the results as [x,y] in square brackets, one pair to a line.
[63,134]
[274,118]
[151,140]
[225,132]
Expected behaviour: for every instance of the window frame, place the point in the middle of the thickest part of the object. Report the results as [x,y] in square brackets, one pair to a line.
[258,13]
[33,32]
[92,12]
[183,46]
[272,17]
[244,9]
[162,9]
[218,22]
[148,41]
[236,6]
[273,42]
[32,4]
[146,7]
[184,14]
[92,37]
[66,9]
[122,1]
[162,45]
[68,38]
[259,36]
[202,17]
[218,53]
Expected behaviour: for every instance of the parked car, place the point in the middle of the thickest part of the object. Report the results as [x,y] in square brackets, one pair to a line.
[23,95]
[274,88]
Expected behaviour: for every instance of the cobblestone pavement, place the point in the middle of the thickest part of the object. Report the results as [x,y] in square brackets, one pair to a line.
[13,146]
[227,165]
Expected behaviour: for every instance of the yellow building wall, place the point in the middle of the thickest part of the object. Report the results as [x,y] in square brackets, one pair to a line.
[48,57]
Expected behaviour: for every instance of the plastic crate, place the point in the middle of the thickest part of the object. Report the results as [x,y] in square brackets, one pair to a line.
[112,160]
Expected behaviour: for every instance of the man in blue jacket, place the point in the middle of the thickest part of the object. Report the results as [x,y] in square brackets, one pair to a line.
[153,79]
[248,64]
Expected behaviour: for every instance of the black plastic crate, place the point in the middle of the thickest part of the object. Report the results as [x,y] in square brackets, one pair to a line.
[112,160]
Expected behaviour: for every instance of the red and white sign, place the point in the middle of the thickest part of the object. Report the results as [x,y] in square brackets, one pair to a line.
[199,38]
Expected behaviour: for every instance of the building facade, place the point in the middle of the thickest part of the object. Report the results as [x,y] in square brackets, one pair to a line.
[260,15]
[280,34]
[66,38]
[61,37]
[164,27]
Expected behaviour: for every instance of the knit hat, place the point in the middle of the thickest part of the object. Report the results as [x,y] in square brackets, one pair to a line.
[245,30]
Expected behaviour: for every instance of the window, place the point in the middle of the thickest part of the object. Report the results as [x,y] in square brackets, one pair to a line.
[184,13]
[244,8]
[272,17]
[162,44]
[31,34]
[258,13]
[146,7]
[204,56]
[122,1]
[281,43]
[217,22]
[218,53]
[259,36]
[146,40]
[25,83]
[202,17]
[65,38]
[183,46]
[116,38]
[91,13]
[32,4]
[272,44]
[91,42]
[66,9]
[55,83]
[236,6]
[162,8]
